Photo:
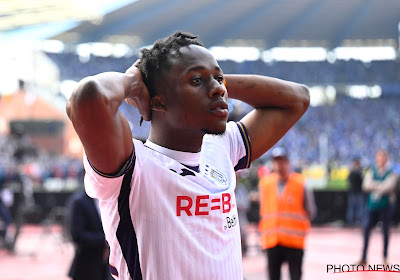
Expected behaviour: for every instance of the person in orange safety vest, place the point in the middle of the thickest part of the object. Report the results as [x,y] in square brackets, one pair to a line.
[286,208]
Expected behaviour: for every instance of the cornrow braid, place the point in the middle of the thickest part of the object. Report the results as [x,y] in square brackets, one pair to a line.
[155,61]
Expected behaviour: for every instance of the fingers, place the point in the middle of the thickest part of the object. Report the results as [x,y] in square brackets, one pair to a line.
[134,68]
[136,64]
[140,96]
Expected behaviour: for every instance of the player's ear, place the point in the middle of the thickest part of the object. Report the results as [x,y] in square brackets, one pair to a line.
[158,103]
[130,102]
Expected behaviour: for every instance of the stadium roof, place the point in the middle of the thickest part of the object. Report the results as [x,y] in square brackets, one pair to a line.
[259,23]
[20,13]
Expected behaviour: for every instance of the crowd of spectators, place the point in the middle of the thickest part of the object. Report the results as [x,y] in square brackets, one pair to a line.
[20,157]
[340,72]
[354,128]
[29,178]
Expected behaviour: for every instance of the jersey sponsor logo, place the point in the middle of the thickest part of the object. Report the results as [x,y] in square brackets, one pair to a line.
[215,174]
[231,221]
[201,205]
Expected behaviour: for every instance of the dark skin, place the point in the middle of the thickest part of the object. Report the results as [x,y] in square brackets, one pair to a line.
[184,104]
[190,101]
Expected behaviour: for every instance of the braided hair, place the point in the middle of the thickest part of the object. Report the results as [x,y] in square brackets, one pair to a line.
[155,61]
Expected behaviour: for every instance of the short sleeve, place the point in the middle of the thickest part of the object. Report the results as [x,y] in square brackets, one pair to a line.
[237,143]
[104,186]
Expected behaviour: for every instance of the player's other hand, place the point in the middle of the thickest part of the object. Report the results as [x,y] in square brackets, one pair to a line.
[138,95]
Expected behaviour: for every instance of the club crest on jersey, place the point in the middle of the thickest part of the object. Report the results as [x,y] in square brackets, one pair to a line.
[215,174]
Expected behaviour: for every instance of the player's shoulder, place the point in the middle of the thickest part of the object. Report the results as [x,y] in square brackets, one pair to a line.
[231,129]
[145,153]
[141,151]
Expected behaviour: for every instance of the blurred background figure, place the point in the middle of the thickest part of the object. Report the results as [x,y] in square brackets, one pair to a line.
[243,205]
[286,208]
[380,183]
[6,201]
[91,249]
[355,197]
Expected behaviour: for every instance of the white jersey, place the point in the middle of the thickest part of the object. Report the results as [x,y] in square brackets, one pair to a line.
[173,215]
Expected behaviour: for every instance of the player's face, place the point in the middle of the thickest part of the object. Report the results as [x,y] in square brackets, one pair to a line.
[195,93]
[381,159]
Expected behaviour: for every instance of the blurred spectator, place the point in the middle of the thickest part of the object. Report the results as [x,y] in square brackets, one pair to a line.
[249,179]
[380,183]
[286,208]
[6,200]
[91,249]
[355,197]
[242,204]
[19,156]
[397,203]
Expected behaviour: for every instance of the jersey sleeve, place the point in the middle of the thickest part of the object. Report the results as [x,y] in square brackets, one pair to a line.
[237,143]
[105,186]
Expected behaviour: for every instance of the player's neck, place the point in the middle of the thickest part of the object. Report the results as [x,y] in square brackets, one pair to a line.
[177,139]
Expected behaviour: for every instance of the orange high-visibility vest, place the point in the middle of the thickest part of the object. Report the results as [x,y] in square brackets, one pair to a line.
[284,221]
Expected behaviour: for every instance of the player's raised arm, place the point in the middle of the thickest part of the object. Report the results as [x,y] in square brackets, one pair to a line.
[103,130]
[278,106]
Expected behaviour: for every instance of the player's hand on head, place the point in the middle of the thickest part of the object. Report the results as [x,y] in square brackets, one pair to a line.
[138,94]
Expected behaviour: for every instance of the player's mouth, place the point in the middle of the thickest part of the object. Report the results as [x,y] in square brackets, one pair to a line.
[219,109]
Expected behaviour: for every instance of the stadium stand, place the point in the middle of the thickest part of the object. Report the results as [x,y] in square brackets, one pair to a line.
[340,72]
[351,125]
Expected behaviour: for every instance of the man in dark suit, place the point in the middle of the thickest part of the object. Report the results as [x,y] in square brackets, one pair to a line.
[91,250]
[356,196]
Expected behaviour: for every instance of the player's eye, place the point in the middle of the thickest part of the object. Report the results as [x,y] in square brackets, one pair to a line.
[220,79]
[197,80]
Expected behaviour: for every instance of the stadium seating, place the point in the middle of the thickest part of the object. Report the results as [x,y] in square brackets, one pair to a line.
[355,128]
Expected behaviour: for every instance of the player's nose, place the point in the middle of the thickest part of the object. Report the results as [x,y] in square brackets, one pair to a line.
[217,89]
